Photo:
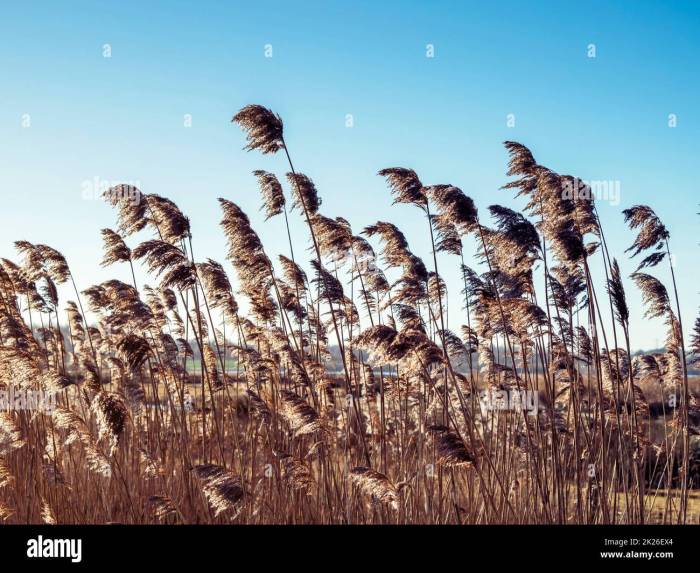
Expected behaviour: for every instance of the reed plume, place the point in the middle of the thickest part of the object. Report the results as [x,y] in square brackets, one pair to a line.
[223,490]
[264,128]
[375,485]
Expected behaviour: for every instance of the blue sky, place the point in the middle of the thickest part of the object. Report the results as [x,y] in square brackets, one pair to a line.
[122,118]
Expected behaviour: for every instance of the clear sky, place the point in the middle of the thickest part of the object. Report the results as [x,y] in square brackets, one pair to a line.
[70,116]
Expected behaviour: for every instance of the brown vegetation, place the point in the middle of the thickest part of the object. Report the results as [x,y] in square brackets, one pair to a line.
[401,435]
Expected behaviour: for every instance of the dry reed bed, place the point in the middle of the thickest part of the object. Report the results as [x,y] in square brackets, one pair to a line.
[401,435]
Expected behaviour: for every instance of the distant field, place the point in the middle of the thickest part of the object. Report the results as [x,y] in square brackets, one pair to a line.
[656,504]
[195,366]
